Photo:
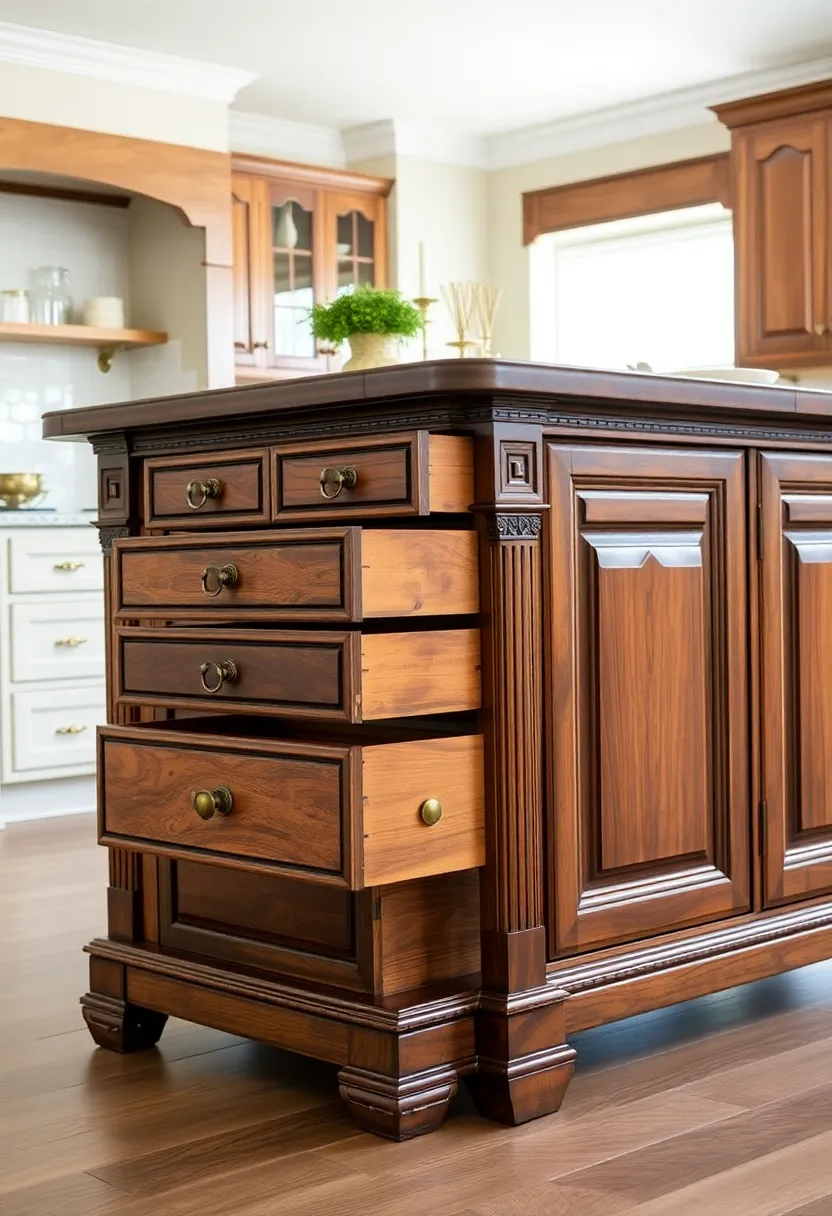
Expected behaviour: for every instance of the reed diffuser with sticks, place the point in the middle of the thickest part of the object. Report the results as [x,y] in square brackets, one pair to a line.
[460,299]
[486,303]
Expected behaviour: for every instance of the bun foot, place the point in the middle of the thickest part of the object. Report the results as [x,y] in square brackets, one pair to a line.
[522,1089]
[398,1108]
[119,1026]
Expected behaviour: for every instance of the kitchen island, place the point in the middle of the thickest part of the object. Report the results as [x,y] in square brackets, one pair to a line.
[455,707]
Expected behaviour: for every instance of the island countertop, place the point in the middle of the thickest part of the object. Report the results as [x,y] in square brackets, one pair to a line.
[459,381]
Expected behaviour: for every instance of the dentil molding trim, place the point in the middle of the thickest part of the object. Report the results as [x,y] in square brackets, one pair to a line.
[34,48]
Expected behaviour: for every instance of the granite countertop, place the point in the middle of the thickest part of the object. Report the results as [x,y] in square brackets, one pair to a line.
[45,519]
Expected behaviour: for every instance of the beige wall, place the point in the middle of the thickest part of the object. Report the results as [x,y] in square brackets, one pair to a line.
[39,95]
[446,207]
[508,258]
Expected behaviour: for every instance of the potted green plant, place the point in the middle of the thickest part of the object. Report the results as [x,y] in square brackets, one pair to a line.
[371,320]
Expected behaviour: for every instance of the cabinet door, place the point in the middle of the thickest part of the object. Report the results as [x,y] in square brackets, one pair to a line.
[796,581]
[293,238]
[648,816]
[356,241]
[782,248]
[242,224]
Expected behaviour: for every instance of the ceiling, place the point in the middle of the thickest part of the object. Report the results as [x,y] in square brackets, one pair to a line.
[478,66]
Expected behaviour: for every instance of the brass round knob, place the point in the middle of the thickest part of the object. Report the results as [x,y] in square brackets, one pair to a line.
[198,492]
[208,803]
[431,811]
[214,675]
[333,481]
[214,578]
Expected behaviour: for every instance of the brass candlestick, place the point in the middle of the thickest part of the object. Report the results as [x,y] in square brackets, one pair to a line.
[423,303]
[460,299]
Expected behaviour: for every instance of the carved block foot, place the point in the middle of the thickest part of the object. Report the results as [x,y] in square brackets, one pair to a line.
[522,1089]
[119,1026]
[398,1108]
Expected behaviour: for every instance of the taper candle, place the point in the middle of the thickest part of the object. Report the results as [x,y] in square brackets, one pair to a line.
[423,291]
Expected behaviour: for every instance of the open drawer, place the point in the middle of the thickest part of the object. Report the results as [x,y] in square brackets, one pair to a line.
[371,808]
[320,574]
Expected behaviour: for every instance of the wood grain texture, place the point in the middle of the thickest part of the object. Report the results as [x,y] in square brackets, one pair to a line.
[687,183]
[647,730]
[243,497]
[418,573]
[397,779]
[403,674]
[429,931]
[795,579]
[784,308]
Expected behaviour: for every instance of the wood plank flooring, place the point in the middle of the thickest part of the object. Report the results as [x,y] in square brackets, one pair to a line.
[720,1107]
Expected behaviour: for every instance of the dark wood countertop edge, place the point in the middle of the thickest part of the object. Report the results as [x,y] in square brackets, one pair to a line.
[530,381]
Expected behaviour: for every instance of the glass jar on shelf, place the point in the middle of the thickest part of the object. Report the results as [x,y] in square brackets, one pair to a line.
[15,306]
[52,299]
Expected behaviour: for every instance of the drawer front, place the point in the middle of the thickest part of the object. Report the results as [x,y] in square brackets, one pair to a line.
[61,639]
[207,491]
[397,475]
[325,574]
[55,730]
[347,815]
[60,559]
[333,676]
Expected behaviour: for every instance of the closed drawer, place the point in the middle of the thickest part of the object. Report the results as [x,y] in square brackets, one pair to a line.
[349,677]
[207,491]
[60,639]
[396,475]
[57,559]
[347,814]
[325,574]
[55,730]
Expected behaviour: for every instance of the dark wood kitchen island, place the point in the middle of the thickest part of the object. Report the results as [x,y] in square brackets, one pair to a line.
[455,707]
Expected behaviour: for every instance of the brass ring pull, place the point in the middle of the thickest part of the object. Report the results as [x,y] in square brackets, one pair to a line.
[214,578]
[198,492]
[431,811]
[221,673]
[333,481]
[208,803]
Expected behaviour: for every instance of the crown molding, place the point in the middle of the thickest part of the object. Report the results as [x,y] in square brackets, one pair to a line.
[281,139]
[649,116]
[33,48]
[427,141]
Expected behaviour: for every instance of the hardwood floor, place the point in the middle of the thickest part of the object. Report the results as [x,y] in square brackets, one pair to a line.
[721,1107]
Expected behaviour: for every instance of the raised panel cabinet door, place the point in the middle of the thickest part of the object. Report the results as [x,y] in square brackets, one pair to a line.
[782,247]
[796,591]
[647,798]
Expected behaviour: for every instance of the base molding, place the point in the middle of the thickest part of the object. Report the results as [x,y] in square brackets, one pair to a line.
[629,980]
[398,1108]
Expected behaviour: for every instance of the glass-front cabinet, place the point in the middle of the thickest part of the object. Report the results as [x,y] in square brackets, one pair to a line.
[301,235]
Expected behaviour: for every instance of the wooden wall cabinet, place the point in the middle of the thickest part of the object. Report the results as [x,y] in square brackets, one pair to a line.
[301,236]
[782,187]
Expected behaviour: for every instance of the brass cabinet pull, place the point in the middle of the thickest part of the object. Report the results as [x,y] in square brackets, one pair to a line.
[260,345]
[214,578]
[72,641]
[221,673]
[198,492]
[333,481]
[431,811]
[208,803]
[70,730]
[69,566]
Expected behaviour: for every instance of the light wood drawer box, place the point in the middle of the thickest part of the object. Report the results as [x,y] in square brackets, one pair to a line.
[347,677]
[57,559]
[55,730]
[412,474]
[57,640]
[207,491]
[325,574]
[347,813]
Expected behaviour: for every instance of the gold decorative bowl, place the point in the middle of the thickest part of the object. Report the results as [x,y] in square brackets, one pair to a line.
[19,488]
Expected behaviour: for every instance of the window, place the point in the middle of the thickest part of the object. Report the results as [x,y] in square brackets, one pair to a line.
[656,289]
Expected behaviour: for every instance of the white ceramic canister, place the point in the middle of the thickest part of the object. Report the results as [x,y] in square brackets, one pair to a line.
[104,312]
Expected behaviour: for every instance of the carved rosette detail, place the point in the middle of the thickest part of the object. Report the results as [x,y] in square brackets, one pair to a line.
[513,526]
[107,534]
